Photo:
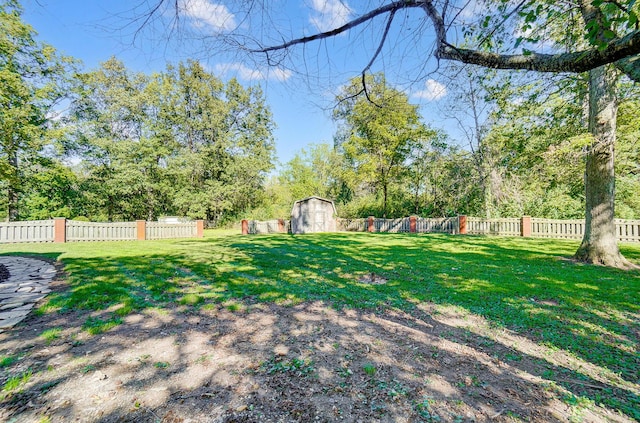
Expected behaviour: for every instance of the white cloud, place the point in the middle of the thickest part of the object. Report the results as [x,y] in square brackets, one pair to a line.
[330,14]
[204,13]
[433,90]
[249,74]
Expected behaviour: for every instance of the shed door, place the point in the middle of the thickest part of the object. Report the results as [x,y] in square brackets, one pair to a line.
[318,224]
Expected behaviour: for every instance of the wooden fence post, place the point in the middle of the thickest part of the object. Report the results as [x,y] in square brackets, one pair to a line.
[141,230]
[280,225]
[199,228]
[462,224]
[372,226]
[412,224]
[245,227]
[60,229]
[525,226]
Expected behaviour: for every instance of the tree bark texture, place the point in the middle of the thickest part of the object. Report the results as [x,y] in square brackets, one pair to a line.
[13,187]
[600,244]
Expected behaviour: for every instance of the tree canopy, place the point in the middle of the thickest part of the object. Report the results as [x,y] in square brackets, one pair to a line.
[33,78]
[381,129]
[177,142]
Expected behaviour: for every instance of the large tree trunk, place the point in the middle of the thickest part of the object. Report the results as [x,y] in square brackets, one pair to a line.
[384,204]
[600,243]
[13,187]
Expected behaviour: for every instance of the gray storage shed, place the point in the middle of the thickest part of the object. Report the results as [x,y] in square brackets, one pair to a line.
[313,214]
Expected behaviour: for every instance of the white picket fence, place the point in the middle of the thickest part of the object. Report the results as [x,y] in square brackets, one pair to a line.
[627,230]
[391,225]
[502,227]
[30,231]
[558,229]
[76,231]
[448,225]
[158,230]
[423,225]
[98,231]
[268,226]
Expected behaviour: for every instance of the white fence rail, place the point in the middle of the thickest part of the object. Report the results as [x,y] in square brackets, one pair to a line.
[626,230]
[158,230]
[557,229]
[423,225]
[30,231]
[503,227]
[391,225]
[62,230]
[269,226]
[100,231]
[449,225]
[351,225]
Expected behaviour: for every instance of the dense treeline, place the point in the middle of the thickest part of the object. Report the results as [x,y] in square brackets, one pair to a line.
[521,152]
[175,143]
[179,142]
[113,144]
[131,145]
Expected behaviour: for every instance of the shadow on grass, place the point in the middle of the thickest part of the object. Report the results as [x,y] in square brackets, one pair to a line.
[526,286]
[206,363]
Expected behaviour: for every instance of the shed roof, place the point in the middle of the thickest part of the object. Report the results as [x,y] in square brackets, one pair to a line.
[315,197]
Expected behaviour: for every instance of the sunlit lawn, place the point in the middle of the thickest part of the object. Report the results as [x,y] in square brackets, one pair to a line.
[526,285]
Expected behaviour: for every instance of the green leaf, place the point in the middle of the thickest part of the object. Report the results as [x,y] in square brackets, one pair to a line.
[518,42]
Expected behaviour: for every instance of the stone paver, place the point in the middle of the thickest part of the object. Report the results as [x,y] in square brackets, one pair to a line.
[28,283]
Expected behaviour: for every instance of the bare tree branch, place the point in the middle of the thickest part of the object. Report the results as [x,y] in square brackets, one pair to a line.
[622,50]
[382,41]
[391,7]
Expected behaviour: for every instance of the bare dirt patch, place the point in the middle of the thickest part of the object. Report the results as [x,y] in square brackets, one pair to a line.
[305,363]
[372,279]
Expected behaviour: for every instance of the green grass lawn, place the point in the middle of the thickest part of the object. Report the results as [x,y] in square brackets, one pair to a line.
[525,285]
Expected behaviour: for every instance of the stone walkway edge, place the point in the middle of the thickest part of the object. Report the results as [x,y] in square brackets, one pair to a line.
[27,284]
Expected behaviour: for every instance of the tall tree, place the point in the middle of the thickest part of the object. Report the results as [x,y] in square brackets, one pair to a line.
[316,171]
[32,80]
[175,142]
[382,128]
[51,189]
[225,135]
[538,135]
[468,104]
[121,141]
[628,157]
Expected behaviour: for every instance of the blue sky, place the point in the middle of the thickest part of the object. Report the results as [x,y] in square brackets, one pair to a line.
[299,93]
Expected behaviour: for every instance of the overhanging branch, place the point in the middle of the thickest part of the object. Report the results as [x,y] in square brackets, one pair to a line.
[389,8]
[581,61]
[624,51]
